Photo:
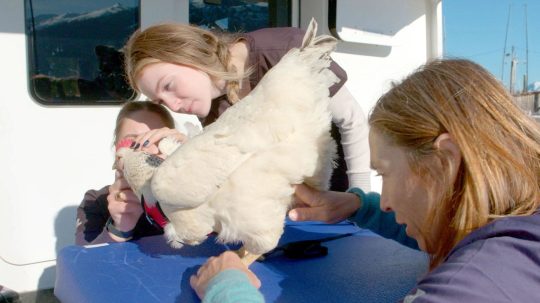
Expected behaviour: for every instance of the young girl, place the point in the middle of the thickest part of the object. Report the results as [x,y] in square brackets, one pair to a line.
[113,213]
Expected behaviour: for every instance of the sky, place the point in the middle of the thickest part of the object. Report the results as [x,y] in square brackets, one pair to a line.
[477,30]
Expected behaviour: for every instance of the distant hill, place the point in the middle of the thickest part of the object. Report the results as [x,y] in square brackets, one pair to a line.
[66,43]
[109,23]
[230,15]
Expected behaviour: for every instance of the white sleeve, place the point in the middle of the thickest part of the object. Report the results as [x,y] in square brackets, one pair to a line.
[348,116]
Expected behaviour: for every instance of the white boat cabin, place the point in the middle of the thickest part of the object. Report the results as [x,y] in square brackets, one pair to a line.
[62,86]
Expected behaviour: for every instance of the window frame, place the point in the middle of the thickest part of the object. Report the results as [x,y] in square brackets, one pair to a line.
[31,54]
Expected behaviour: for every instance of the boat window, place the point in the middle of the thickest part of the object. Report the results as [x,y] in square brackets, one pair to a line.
[240,15]
[349,23]
[74,50]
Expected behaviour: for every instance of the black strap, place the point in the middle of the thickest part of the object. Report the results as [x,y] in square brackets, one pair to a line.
[113,230]
[306,249]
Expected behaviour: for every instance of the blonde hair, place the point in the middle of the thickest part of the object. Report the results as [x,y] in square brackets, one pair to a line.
[136,106]
[187,45]
[500,168]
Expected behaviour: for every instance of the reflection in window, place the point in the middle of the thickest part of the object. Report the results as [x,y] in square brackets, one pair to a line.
[239,15]
[74,49]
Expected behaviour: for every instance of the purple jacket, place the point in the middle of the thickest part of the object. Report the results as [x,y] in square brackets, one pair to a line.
[499,262]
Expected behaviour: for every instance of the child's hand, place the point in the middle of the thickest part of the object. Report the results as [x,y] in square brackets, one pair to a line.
[123,205]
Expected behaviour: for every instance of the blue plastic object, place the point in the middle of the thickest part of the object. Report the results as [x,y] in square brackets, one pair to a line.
[362,267]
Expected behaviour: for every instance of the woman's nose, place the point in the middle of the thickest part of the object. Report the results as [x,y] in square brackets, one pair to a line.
[168,101]
[165,100]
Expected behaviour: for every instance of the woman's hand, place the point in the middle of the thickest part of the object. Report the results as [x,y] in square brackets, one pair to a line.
[148,141]
[215,265]
[124,206]
[326,206]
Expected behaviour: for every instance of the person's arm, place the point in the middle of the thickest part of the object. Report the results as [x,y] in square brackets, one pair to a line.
[108,215]
[231,285]
[353,128]
[363,209]
[370,216]
[327,206]
[226,279]
[92,214]
[124,208]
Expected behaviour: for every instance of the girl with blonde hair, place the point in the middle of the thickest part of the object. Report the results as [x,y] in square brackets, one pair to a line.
[196,71]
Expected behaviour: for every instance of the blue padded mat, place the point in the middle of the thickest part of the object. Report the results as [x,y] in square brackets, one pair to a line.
[359,268]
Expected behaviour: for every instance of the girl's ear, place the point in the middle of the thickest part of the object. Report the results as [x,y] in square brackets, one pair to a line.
[446,144]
